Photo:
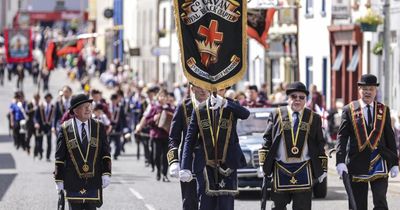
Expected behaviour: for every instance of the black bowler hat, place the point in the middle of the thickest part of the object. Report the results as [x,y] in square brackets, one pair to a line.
[296,87]
[368,80]
[77,100]
[48,95]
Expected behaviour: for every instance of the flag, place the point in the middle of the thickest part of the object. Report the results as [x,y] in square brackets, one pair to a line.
[18,45]
[212,40]
[258,24]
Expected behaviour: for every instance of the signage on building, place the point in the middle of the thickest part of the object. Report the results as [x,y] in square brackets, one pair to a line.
[262,4]
[340,9]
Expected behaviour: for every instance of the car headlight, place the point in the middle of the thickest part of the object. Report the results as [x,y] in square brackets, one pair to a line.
[247,156]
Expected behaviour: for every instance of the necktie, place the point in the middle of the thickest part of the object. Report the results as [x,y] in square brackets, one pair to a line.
[296,122]
[84,138]
[47,110]
[369,116]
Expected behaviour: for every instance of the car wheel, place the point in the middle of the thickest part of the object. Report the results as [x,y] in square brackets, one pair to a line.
[320,189]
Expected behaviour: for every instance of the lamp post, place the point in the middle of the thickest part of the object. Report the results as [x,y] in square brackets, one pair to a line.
[386,52]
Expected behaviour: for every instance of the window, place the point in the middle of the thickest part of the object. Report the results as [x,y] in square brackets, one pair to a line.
[144,28]
[338,61]
[309,71]
[323,8]
[151,26]
[324,75]
[309,8]
[354,61]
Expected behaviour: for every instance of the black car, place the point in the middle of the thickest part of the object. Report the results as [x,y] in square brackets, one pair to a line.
[250,133]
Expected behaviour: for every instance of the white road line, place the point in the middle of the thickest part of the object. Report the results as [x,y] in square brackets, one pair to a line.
[136,194]
[149,207]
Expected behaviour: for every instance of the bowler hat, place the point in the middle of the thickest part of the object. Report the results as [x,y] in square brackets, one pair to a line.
[368,80]
[48,95]
[77,100]
[296,87]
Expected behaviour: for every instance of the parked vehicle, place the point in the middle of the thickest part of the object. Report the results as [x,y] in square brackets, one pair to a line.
[250,134]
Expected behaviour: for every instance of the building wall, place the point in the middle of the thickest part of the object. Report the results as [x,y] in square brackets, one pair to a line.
[314,48]
[8,9]
[103,25]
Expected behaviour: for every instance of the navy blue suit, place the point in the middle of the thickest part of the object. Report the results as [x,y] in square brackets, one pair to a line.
[179,127]
[234,158]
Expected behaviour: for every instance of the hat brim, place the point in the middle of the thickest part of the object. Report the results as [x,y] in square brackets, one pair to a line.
[77,104]
[365,84]
[288,92]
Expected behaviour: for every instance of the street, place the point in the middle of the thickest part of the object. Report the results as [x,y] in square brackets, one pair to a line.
[27,184]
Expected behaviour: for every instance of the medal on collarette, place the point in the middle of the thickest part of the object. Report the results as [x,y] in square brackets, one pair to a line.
[295,150]
[85,167]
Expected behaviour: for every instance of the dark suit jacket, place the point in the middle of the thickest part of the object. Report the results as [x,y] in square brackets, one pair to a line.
[234,158]
[358,162]
[315,142]
[65,169]
[40,115]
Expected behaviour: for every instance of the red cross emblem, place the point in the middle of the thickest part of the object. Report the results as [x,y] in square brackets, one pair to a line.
[208,48]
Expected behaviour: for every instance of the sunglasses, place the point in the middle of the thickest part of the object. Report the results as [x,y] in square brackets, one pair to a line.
[294,96]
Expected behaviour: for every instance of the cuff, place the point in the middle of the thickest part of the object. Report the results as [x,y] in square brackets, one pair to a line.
[324,162]
[262,155]
[172,156]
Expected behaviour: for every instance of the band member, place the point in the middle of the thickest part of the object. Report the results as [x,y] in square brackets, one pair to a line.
[213,128]
[18,119]
[44,120]
[293,152]
[118,123]
[83,162]
[372,152]
[179,125]
[62,105]
[159,120]
[30,124]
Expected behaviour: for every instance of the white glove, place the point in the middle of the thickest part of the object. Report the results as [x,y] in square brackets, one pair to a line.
[174,170]
[394,171]
[106,180]
[185,175]
[340,168]
[59,186]
[322,177]
[216,102]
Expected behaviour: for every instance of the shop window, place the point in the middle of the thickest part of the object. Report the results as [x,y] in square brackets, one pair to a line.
[354,61]
[338,61]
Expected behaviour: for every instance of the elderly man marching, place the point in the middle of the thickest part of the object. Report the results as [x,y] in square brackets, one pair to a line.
[83,163]
[293,152]
[366,147]
[213,129]
[179,126]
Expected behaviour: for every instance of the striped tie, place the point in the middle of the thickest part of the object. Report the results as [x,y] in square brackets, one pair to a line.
[84,138]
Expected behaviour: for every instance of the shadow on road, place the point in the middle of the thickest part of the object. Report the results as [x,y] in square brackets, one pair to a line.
[6,161]
[5,138]
[249,195]
[5,182]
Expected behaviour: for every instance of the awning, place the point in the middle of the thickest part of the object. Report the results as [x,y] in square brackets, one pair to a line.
[354,61]
[338,61]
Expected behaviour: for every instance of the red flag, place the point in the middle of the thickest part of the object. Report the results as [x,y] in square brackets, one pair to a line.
[258,24]
[69,48]
[50,55]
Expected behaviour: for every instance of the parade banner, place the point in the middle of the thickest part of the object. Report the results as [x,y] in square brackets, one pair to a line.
[212,39]
[18,45]
[258,24]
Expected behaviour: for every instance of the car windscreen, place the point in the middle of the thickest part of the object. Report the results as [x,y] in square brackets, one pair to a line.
[255,124]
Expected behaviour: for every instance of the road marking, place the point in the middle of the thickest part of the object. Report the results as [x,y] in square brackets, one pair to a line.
[149,207]
[136,194]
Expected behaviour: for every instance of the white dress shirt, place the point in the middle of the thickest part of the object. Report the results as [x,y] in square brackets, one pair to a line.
[365,111]
[281,153]
[79,125]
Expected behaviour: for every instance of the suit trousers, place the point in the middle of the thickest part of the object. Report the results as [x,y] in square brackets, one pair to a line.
[301,200]
[379,190]
[81,206]
[189,195]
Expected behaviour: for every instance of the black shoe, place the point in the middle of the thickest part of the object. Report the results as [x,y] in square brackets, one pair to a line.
[165,179]
[115,158]
[40,156]
[159,177]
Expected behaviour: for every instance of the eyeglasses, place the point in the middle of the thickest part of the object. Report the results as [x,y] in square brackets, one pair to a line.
[294,96]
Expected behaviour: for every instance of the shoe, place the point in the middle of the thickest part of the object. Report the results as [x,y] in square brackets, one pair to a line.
[48,160]
[40,157]
[159,177]
[165,179]
[115,158]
